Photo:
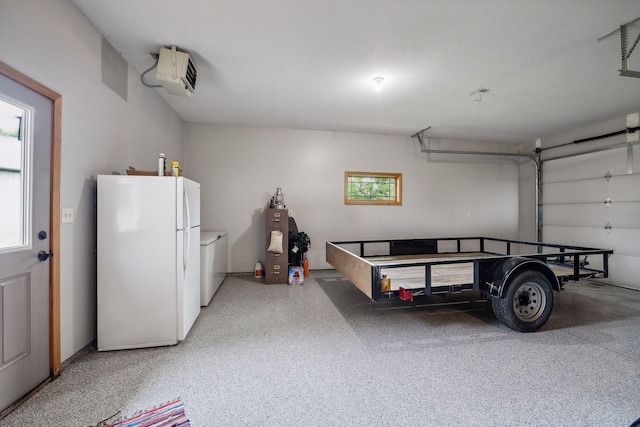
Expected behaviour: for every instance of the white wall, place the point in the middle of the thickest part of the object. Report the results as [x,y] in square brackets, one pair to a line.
[241,167]
[53,43]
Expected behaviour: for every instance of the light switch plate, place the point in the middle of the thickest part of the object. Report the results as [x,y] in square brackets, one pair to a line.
[67,215]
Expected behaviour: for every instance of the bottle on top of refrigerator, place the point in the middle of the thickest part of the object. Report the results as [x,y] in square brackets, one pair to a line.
[162,164]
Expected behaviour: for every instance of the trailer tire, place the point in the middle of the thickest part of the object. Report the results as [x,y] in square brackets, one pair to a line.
[527,302]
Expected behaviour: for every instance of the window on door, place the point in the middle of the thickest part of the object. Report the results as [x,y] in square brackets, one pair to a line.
[15,161]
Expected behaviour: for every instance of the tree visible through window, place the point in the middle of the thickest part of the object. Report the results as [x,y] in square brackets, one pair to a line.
[372,188]
[14,186]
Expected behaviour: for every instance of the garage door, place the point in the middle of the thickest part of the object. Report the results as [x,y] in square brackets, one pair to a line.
[594,200]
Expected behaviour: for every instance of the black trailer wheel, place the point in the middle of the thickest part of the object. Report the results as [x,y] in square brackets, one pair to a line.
[527,302]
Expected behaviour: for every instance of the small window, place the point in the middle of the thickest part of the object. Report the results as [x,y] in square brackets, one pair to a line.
[15,170]
[372,188]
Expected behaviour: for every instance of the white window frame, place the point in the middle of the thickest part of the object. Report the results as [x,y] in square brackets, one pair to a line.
[26,173]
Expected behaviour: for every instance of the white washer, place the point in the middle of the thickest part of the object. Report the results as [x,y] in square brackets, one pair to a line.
[213,263]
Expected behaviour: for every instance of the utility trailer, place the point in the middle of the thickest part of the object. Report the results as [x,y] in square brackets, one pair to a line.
[519,276]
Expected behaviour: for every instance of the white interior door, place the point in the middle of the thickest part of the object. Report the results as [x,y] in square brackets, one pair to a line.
[25,152]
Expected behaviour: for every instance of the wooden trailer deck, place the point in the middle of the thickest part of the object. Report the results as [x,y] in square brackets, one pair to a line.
[442,275]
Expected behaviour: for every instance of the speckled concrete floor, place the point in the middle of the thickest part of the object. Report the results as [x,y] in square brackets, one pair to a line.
[322,354]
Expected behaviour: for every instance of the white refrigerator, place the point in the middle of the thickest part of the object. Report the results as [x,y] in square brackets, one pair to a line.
[148,260]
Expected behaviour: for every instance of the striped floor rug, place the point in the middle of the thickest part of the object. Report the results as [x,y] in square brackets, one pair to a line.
[170,414]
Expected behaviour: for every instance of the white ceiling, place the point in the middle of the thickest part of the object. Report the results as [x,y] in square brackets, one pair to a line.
[310,64]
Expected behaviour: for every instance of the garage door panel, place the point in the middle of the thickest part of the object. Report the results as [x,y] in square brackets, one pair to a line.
[617,214]
[621,266]
[574,191]
[577,215]
[619,188]
[623,241]
[592,165]
[624,264]
[579,236]
[624,188]
[625,215]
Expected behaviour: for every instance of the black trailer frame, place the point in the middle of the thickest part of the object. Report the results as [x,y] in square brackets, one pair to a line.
[496,264]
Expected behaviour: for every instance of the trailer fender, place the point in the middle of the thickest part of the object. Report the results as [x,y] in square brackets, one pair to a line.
[499,274]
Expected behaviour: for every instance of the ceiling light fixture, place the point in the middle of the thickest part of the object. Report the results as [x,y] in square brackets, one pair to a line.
[476,95]
[378,80]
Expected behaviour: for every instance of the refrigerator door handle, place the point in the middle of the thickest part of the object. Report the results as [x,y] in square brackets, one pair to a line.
[185,254]
[186,203]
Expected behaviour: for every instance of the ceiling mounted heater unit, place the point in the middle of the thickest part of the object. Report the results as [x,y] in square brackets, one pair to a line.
[176,72]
